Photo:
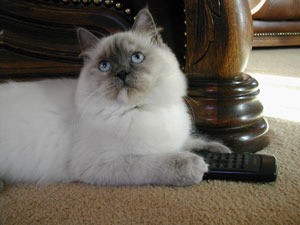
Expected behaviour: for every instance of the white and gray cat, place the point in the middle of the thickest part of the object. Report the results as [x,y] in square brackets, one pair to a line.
[123,122]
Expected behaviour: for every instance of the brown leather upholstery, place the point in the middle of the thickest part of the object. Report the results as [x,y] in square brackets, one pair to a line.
[277,23]
[279,10]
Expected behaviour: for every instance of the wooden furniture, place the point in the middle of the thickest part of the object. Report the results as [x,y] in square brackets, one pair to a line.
[211,39]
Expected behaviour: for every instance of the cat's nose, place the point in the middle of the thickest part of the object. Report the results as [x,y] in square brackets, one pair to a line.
[122,74]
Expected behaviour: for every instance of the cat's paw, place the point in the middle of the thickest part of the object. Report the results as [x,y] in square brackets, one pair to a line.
[216,147]
[188,169]
[199,145]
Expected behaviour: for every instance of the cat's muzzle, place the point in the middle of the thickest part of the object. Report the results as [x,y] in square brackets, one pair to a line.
[122,75]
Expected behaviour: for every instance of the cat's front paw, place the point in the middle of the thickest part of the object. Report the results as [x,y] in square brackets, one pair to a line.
[188,169]
[217,147]
[199,145]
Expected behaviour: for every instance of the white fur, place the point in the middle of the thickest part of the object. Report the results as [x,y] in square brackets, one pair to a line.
[36,121]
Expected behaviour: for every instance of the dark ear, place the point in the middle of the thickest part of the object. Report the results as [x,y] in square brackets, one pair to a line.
[86,39]
[144,23]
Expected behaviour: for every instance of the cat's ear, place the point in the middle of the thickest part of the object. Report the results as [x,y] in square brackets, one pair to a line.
[86,39]
[144,23]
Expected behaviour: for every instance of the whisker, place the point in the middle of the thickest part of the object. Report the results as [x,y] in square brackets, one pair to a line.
[85,102]
[191,110]
[193,100]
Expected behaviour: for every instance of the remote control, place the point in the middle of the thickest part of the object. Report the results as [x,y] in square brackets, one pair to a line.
[240,166]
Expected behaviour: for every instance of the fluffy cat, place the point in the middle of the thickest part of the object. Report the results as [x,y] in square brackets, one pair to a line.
[123,122]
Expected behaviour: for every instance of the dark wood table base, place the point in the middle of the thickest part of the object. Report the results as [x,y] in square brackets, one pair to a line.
[223,99]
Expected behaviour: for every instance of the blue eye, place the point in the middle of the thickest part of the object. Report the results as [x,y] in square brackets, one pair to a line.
[104,66]
[137,57]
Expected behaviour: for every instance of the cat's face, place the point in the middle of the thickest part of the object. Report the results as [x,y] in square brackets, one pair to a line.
[121,66]
[129,67]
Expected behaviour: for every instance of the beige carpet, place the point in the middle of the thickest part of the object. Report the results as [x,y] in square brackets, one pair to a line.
[211,202]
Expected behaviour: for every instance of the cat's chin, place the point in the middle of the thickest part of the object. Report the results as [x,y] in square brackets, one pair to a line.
[129,95]
[123,95]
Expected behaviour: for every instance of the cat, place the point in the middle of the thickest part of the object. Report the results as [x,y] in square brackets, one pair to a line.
[122,122]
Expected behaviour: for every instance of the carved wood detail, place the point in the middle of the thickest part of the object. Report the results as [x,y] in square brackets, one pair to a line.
[38,37]
[38,30]
[223,36]
[211,11]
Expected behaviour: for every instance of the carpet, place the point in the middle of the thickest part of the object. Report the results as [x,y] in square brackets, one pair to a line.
[211,202]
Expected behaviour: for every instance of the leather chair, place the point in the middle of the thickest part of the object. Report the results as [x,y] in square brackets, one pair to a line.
[276,22]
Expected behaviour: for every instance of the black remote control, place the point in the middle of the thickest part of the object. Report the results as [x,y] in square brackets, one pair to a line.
[240,166]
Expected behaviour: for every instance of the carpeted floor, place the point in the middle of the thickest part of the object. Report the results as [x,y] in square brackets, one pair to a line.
[211,202]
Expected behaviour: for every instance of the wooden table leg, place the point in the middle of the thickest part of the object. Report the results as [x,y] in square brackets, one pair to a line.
[223,99]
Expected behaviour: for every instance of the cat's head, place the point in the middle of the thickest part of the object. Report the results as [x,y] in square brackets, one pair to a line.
[133,67]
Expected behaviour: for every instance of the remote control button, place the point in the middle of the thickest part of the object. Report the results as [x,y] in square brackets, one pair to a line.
[246,159]
[232,157]
[224,157]
[216,157]
[214,165]
[230,165]
[222,165]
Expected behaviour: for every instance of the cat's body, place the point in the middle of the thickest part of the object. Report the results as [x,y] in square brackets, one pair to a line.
[35,131]
[124,122]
